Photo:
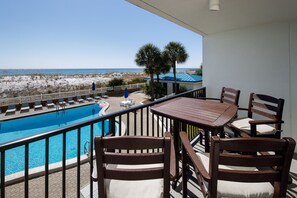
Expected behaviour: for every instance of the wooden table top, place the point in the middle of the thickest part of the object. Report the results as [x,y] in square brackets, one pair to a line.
[202,113]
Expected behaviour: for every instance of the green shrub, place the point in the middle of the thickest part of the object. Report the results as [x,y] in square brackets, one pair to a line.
[158,90]
[182,89]
[116,82]
[137,80]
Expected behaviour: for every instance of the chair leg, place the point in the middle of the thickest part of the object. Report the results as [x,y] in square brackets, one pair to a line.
[201,133]
[184,172]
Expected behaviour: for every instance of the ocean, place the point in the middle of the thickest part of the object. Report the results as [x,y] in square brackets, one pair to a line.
[11,72]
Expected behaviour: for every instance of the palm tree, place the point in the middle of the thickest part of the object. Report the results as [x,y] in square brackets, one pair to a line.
[175,52]
[149,56]
[163,67]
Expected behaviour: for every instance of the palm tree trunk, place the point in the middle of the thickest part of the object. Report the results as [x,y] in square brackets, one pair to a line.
[158,78]
[152,87]
[174,74]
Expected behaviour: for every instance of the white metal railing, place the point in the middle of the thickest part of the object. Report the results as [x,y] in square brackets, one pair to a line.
[44,97]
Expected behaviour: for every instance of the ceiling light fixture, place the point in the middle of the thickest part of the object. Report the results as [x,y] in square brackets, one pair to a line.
[214,5]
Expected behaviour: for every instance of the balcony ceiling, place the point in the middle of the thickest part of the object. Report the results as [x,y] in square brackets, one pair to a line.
[234,14]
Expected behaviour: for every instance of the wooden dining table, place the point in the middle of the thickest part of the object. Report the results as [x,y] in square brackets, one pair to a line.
[208,115]
[211,116]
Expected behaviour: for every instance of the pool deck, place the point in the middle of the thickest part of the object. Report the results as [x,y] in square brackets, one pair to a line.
[36,186]
[113,101]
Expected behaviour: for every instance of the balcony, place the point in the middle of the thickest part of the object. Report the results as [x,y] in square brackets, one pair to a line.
[73,179]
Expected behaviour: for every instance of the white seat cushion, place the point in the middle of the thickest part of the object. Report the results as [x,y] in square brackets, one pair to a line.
[243,124]
[239,189]
[140,188]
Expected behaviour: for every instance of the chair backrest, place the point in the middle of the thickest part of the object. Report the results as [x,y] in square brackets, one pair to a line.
[266,106]
[230,95]
[11,106]
[160,154]
[283,150]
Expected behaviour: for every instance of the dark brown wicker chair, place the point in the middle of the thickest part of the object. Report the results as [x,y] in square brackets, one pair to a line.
[224,174]
[228,95]
[260,106]
[144,173]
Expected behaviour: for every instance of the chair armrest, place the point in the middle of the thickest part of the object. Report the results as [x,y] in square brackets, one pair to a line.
[255,122]
[172,156]
[211,98]
[193,157]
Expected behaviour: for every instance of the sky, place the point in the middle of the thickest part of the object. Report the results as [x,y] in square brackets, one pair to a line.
[84,34]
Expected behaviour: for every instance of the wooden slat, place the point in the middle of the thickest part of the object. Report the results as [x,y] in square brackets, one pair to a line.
[265,106]
[133,143]
[262,113]
[230,90]
[229,96]
[251,160]
[134,174]
[249,176]
[266,98]
[133,159]
[228,101]
[254,145]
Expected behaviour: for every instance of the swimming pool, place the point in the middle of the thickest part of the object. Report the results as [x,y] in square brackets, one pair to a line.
[28,126]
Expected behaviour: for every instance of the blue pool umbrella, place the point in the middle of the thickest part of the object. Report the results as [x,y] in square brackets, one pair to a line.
[93,86]
[126,93]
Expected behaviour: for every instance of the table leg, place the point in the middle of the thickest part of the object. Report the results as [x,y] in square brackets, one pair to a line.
[206,142]
[184,172]
[222,133]
[176,145]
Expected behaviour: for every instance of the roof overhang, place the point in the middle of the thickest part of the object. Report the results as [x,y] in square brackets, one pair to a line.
[234,14]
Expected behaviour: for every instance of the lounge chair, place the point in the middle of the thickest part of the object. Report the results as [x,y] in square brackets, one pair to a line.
[131,102]
[97,97]
[25,107]
[70,100]
[79,99]
[89,98]
[104,96]
[62,102]
[50,104]
[11,108]
[37,105]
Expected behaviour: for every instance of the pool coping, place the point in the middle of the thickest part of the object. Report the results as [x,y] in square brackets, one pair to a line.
[56,167]
[34,113]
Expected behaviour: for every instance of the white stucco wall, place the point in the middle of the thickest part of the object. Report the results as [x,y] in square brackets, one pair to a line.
[258,59]
[190,86]
[293,63]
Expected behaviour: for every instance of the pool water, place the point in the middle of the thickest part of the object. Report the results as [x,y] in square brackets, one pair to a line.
[28,126]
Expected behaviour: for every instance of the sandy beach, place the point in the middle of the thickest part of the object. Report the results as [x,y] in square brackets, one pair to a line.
[26,85]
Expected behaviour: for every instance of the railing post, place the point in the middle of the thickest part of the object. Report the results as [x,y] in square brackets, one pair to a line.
[2,173]
[112,125]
